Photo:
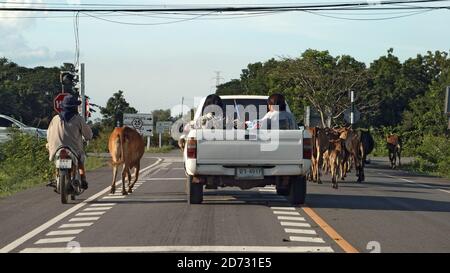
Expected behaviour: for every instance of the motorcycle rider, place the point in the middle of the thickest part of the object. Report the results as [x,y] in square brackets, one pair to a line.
[68,129]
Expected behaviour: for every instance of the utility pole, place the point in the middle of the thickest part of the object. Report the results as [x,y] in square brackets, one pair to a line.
[182,105]
[82,92]
[352,113]
[217,78]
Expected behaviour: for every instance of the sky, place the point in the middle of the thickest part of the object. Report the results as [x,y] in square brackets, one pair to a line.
[157,65]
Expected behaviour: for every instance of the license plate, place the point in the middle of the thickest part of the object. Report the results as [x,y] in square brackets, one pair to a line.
[249,173]
[63,164]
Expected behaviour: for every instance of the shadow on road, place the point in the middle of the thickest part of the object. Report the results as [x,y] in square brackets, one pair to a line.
[375,203]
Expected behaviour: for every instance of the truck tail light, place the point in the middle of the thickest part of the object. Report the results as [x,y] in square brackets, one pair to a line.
[191,146]
[307,148]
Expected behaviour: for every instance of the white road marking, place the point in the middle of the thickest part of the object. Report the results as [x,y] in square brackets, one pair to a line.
[90,213]
[286,212]
[295,224]
[81,219]
[64,232]
[419,184]
[283,208]
[414,182]
[54,240]
[11,246]
[300,231]
[76,225]
[114,197]
[97,209]
[306,239]
[103,204]
[165,178]
[291,249]
[291,218]
[267,190]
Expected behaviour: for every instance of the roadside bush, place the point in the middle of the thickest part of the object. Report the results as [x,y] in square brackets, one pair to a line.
[100,143]
[433,155]
[23,162]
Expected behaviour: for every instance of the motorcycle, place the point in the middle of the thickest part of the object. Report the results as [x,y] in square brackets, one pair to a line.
[68,178]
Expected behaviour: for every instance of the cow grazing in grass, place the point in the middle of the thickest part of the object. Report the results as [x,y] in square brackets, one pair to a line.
[126,147]
[394,145]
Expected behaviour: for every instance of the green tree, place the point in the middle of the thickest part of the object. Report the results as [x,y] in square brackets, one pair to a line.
[114,110]
[232,87]
[324,81]
[27,93]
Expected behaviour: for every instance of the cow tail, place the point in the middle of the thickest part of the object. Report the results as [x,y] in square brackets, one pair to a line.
[122,143]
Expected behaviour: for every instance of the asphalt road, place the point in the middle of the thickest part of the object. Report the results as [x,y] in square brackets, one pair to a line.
[392,211]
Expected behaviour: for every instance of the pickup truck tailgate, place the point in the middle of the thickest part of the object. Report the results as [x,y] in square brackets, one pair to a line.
[249,152]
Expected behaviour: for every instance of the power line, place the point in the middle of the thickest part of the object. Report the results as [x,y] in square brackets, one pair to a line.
[234,8]
[203,5]
[145,24]
[369,19]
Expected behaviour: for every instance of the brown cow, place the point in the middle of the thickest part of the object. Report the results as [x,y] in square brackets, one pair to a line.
[336,153]
[126,147]
[394,145]
[352,145]
[320,139]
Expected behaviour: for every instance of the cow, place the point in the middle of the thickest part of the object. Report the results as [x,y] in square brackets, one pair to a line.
[320,138]
[352,141]
[336,153]
[126,147]
[366,147]
[394,146]
[326,161]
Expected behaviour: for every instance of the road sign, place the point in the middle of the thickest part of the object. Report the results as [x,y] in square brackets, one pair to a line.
[356,115]
[161,126]
[143,123]
[58,100]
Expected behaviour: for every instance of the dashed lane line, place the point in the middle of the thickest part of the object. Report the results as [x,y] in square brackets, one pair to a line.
[291,218]
[90,213]
[282,208]
[414,182]
[64,232]
[300,231]
[75,225]
[286,212]
[97,208]
[306,239]
[295,224]
[81,219]
[102,204]
[54,240]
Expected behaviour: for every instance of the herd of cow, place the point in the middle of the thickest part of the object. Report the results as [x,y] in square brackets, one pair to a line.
[336,150]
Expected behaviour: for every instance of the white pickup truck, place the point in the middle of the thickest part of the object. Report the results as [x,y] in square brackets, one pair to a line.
[247,158]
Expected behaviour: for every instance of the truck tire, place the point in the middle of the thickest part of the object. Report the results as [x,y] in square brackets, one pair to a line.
[297,190]
[194,191]
[283,191]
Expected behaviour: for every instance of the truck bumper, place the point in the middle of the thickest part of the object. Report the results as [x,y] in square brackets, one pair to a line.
[219,170]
